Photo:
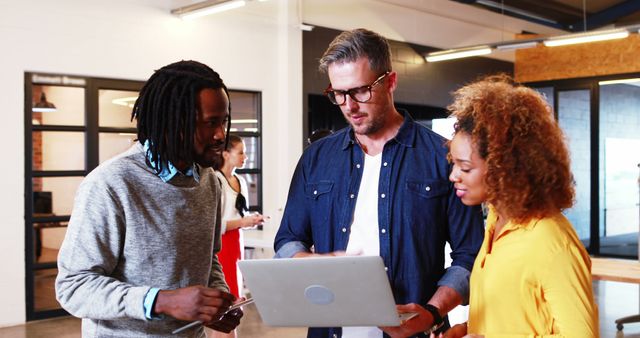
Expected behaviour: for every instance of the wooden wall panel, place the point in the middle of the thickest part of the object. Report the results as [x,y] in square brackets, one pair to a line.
[574,61]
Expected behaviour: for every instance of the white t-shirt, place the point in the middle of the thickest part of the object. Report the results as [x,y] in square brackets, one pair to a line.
[364,237]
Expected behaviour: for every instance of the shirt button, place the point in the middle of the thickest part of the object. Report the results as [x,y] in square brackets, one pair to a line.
[352,196]
[384,164]
[383,195]
[315,192]
[384,231]
[344,229]
[358,165]
[427,188]
[386,268]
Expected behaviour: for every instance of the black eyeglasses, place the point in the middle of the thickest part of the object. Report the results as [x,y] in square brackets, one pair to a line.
[360,94]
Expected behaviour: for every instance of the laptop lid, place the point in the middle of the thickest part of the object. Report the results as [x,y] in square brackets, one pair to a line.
[321,291]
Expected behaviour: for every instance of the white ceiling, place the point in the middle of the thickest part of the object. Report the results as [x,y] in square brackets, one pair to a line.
[436,23]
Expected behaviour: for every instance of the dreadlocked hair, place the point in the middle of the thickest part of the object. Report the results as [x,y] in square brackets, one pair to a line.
[166,111]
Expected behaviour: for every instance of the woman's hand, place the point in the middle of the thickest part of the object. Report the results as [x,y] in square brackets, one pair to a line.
[253,220]
[456,331]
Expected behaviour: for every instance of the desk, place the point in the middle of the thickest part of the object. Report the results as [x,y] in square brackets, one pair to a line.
[45,221]
[617,270]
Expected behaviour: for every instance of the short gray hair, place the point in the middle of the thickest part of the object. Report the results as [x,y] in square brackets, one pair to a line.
[352,45]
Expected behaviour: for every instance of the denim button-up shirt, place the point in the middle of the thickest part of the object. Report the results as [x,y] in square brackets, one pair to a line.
[418,211]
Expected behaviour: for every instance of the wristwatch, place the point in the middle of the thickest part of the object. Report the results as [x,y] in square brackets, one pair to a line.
[437,319]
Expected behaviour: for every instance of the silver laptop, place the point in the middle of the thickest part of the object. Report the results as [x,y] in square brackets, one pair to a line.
[321,292]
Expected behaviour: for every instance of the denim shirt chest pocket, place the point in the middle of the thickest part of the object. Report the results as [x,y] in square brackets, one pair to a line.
[425,204]
[318,195]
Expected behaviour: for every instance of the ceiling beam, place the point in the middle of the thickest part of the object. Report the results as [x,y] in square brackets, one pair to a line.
[607,16]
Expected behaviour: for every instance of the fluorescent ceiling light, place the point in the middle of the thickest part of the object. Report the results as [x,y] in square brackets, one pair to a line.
[458,53]
[586,37]
[206,8]
[619,81]
[125,101]
[244,121]
[307,28]
[516,45]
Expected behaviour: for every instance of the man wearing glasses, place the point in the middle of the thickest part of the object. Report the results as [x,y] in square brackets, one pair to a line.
[380,187]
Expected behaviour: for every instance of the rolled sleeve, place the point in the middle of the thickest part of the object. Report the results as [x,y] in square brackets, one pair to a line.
[289,249]
[457,278]
[149,301]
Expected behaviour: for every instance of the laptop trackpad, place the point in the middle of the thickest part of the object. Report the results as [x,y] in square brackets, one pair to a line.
[318,294]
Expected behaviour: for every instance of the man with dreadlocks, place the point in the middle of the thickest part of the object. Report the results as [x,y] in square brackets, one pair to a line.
[139,257]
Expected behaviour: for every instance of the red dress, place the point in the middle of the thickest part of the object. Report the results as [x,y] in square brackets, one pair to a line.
[231,252]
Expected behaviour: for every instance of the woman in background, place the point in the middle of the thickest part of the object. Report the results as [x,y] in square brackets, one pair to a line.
[532,275]
[235,215]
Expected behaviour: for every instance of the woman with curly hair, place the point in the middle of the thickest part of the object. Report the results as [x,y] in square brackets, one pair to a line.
[532,275]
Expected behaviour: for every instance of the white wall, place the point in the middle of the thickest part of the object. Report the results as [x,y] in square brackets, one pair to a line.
[255,48]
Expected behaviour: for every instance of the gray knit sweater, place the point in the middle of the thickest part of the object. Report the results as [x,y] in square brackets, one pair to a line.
[130,231]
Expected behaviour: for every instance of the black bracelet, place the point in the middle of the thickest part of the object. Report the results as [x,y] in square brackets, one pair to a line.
[437,319]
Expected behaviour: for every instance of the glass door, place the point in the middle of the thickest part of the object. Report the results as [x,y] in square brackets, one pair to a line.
[619,152]
[600,117]
[573,109]
[71,125]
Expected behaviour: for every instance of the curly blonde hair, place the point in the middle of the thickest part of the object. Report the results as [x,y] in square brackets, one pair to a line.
[514,131]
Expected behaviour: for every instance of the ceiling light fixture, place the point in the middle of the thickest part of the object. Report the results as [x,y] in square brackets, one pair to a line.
[458,53]
[561,40]
[620,81]
[206,8]
[43,106]
[125,101]
[516,45]
[306,28]
[571,39]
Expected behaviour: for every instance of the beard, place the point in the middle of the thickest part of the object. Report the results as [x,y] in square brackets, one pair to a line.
[375,123]
[210,155]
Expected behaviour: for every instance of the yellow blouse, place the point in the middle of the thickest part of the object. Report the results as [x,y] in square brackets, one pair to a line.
[534,282]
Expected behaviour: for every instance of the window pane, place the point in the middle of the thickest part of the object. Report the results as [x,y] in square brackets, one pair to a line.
[244,111]
[53,196]
[115,108]
[44,290]
[68,102]
[58,150]
[444,126]
[253,184]
[619,160]
[253,155]
[547,92]
[574,118]
[112,144]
